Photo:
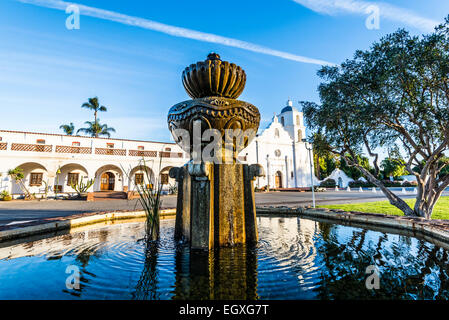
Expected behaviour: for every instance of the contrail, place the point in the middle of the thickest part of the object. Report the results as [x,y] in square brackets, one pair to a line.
[173,30]
[359,7]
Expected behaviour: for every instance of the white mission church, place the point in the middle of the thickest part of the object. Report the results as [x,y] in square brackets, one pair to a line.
[56,160]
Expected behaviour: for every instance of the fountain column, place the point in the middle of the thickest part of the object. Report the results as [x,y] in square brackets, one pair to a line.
[215,205]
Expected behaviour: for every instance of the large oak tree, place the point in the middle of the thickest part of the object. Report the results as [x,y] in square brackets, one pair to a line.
[394,95]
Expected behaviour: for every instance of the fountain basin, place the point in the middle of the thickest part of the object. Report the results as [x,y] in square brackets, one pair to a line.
[296,258]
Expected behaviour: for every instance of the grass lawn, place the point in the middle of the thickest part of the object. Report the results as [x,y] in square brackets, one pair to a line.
[441,210]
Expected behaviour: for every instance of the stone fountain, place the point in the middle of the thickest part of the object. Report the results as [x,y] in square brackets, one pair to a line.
[215,205]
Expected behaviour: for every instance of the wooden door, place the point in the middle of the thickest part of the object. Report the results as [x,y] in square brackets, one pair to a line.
[107,181]
[278,180]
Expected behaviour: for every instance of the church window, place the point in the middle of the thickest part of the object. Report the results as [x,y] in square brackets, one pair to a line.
[282,121]
[276,133]
[297,120]
[299,135]
[277,153]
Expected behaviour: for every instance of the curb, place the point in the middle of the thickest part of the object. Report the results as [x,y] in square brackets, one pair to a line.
[437,229]
[73,222]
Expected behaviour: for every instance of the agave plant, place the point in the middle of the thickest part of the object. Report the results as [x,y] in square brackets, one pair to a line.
[80,187]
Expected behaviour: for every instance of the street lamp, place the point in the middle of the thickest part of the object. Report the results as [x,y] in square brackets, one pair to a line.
[309,147]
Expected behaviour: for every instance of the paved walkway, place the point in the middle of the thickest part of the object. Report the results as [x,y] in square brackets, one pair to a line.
[21,211]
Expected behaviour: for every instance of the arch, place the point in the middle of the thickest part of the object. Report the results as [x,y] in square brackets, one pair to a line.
[140,174]
[278,180]
[115,173]
[165,179]
[276,133]
[74,171]
[40,177]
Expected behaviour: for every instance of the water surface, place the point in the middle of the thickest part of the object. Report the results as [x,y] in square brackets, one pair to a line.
[296,258]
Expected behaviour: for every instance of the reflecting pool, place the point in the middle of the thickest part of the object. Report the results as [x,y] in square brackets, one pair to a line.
[296,258]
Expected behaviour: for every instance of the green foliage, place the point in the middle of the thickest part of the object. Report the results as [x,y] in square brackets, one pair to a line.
[80,187]
[5,196]
[352,171]
[96,129]
[393,167]
[360,184]
[69,129]
[17,175]
[329,183]
[150,200]
[384,207]
[393,96]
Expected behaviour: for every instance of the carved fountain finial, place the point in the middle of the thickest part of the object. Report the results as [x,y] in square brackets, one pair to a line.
[214,86]
[213,56]
[214,78]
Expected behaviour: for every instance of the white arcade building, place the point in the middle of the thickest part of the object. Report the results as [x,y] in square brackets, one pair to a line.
[55,160]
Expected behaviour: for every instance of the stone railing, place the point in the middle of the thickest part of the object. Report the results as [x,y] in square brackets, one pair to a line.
[143,153]
[110,152]
[31,147]
[67,149]
[3,145]
[166,154]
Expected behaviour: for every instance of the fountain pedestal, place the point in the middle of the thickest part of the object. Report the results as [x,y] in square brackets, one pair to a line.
[215,205]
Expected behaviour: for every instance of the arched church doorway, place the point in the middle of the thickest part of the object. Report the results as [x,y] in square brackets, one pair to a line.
[340,182]
[278,180]
[107,181]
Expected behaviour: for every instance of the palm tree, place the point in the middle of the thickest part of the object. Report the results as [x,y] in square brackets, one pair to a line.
[69,129]
[94,105]
[95,129]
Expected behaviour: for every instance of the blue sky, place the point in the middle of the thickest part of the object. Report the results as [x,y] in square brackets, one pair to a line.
[134,65]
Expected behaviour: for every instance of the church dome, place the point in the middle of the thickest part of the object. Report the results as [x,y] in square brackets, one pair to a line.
[289,107]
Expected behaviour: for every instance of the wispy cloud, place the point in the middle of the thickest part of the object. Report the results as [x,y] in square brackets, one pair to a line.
[387,11]
[173,30]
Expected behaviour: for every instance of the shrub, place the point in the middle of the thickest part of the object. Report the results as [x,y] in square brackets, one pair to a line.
[410,184]
[360,184]
[390,184]
[5,196]
[329,183]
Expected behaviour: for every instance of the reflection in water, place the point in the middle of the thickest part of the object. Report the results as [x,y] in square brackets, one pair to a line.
[221,274]
[409,269]
[146,288]
[294,259]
